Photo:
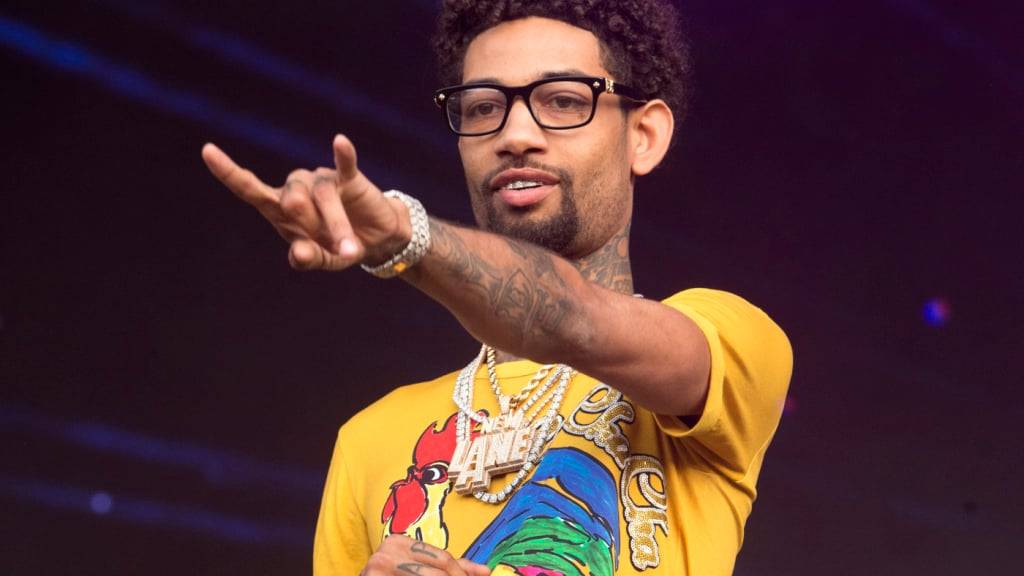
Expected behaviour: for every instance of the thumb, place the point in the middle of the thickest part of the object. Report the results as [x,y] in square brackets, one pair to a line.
[345,158]
[473,569]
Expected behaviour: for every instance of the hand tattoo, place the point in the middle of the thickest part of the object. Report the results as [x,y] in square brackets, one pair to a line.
[421,548]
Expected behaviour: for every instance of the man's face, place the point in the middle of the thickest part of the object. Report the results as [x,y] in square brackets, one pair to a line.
[586,192]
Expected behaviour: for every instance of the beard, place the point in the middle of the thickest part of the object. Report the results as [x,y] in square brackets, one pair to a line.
[557,232]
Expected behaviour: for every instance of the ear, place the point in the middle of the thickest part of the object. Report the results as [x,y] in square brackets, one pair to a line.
[650,128]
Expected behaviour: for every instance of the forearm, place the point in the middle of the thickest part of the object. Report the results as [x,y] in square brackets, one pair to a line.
[513,295]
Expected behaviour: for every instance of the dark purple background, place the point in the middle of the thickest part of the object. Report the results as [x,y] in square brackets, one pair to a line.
[844,163]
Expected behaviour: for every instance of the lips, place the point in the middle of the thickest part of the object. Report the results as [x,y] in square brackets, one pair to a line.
[521,187]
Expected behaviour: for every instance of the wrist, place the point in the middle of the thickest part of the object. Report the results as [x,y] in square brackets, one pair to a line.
[396,241]
[406,245]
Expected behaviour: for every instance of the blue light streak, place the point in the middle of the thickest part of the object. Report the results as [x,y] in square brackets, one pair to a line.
[73,58]
[293,76]
[215,466]
[127,81]
[152,512]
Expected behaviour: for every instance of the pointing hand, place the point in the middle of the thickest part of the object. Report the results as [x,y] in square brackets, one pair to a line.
[332,219]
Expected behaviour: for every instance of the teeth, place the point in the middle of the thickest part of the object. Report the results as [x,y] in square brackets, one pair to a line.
[521,184]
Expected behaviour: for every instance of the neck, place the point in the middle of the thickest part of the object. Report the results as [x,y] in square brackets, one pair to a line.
[609,266]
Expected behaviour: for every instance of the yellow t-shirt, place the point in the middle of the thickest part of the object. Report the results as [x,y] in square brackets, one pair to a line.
[620,489]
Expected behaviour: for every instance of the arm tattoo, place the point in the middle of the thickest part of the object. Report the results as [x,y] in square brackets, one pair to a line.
[459,260]
[421,548]
[528,291]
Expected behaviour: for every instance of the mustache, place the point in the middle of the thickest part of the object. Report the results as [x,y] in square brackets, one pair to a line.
[564,176]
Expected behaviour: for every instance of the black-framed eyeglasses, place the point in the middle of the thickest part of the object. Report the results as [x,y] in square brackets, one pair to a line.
[557,103]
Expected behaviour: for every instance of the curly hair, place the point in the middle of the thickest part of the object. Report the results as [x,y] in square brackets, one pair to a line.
[642,43]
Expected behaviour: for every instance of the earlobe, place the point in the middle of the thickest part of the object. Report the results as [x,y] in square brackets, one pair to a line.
[652,128]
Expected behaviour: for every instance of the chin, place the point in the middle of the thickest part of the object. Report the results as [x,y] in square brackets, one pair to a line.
[556,231]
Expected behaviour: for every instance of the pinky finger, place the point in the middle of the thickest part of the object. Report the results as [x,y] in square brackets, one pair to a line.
[305,254]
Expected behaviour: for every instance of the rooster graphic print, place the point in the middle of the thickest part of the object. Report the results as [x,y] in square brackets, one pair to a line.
[563,521]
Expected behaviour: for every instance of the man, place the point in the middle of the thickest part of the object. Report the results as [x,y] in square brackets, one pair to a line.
[638,445]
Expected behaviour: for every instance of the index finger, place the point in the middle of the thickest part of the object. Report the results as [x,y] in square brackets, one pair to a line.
[242,182]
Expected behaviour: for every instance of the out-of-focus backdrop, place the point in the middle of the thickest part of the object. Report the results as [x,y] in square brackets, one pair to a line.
[171,389]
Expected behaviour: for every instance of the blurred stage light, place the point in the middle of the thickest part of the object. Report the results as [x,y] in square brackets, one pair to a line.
[101,503]
[138,85]
[937,312]
[146,511]
[216,466]
[290,75]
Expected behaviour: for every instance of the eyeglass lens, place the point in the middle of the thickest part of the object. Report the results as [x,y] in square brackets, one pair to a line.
[559,104]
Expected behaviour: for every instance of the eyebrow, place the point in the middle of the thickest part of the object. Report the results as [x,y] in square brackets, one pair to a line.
[544,76]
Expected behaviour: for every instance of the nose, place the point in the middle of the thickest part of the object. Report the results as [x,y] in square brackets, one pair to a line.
[521,134]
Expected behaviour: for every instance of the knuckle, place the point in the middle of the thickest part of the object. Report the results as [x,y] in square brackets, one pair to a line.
[323,192]
[300,175]
[360,188]
[295,187]
[293,204]
[376,562]
[387,544]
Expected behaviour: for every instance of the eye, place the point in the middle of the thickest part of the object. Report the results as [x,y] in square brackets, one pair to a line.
[435,473]
[482,109]
[566,102]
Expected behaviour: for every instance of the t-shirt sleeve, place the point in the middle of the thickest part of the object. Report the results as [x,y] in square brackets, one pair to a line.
[751,364]
[341,545]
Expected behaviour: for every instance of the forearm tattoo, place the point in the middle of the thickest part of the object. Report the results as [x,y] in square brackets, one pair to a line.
[527,291]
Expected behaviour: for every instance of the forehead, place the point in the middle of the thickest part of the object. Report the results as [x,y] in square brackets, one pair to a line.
[521,51]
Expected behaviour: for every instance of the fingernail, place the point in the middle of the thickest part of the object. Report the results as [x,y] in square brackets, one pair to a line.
[348,247]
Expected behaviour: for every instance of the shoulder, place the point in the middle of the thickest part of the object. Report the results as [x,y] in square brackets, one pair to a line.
[751,367]
[742,337]
[715,302]
[729,314]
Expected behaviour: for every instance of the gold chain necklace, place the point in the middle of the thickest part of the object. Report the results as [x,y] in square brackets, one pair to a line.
[511,401]
[511,442]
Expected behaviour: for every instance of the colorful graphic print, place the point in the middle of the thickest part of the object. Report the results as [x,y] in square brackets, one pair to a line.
[563,522]
[414,506]
[600,418]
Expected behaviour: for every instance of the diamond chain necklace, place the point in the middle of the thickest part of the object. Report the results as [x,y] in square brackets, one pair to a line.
[511,442]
